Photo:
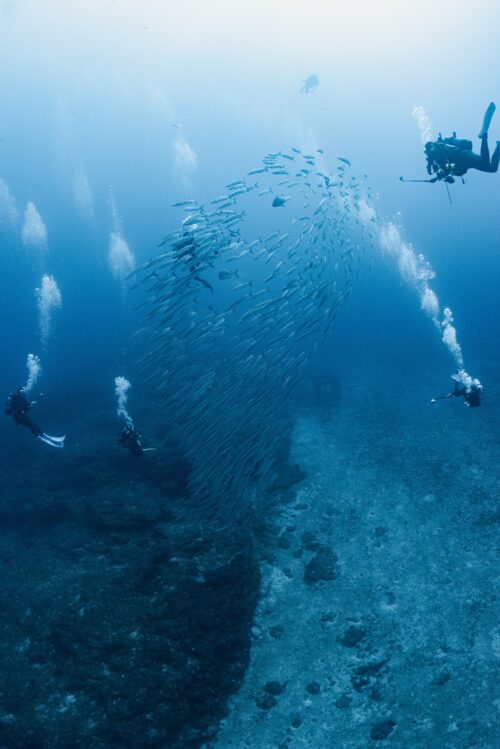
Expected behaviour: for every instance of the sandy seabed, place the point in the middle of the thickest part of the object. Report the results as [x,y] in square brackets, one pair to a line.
[378,617]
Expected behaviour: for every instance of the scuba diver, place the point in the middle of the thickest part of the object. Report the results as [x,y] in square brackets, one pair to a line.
[448,158]
[17,406]
[131,439]
[471,390]
[452,157]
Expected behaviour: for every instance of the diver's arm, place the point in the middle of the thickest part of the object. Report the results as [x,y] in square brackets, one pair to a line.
[33,403]
[441,397]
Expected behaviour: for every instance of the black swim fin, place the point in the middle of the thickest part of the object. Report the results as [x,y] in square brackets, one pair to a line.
[488,116]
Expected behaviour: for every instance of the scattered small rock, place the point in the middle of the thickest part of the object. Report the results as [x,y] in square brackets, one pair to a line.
[352,636]
[343,701]
[296,721]
[364,676]
[382,730]
[372,668]
[309,541]
[323,566]
[274,687]
[313,687]
[360,682]
[266,701]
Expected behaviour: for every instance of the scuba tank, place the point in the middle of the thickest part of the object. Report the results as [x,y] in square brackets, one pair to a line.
[461,143]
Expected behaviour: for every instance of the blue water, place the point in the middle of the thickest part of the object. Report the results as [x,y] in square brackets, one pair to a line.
[145,104]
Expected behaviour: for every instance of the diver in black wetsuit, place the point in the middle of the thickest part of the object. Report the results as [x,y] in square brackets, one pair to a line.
[448,158]
[452,157]
[17,406]
[131,439]
[472,392]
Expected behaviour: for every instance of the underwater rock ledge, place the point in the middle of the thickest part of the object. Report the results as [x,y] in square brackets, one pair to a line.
[125,622]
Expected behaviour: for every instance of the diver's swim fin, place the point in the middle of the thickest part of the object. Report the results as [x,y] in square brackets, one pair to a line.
[52,441]
[488,116]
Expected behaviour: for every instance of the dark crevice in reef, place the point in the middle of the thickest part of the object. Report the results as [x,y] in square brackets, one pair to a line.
[126,620]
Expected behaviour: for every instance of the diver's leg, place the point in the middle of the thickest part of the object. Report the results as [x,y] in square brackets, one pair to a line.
[34,429]
[495,159]
[486,164]
[485,151]
[25,421]
[481,162]
[22,420]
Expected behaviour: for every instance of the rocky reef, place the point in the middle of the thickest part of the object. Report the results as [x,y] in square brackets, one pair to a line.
[125,620]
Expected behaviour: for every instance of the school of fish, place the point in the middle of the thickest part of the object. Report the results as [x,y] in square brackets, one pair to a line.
[244,291]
